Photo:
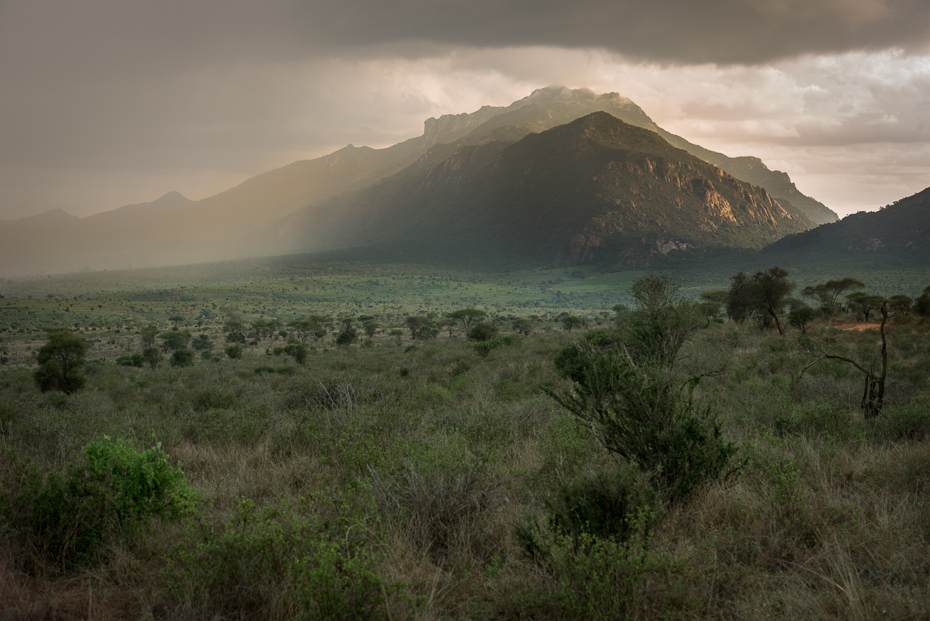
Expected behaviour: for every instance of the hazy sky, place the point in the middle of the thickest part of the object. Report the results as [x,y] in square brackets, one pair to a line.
[109,102]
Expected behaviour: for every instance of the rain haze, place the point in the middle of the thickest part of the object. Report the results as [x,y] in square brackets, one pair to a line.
[107,103]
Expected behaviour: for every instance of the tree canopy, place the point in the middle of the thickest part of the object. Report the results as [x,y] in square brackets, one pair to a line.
[763,293]
[60,363]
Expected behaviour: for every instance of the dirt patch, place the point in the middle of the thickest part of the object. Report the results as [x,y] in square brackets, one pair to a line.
[856,325]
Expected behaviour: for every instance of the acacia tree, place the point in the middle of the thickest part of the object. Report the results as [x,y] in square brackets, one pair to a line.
[60,363]
[828,292]
[865,303]
[467,316]
[759,295]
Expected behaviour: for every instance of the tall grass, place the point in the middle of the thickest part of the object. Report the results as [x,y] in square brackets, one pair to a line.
[346,488]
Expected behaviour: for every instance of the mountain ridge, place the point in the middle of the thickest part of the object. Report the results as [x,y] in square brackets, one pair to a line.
[172,231]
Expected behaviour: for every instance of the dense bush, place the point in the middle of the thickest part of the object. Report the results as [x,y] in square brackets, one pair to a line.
[66,519]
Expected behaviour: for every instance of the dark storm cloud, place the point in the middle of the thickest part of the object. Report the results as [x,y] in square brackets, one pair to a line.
[113,37]
[120,94]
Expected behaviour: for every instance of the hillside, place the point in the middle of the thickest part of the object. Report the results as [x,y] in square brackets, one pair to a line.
[597,189]
[900,230]
[174,230]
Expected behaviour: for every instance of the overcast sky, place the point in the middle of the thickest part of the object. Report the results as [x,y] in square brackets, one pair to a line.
[110,102]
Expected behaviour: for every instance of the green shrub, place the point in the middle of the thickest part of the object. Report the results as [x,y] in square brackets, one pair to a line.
[639,414]
[613,506]
[65,519]
[182,358]
[134,360]
[282,557]
[233,351]
[482,332]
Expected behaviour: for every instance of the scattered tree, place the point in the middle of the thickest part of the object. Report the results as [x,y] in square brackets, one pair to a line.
[829,292]
[754,297]
[900,304]
[865,303]
[570,322]
[61,360]
[148,335]
[468,316]
[182,358]
[153,356]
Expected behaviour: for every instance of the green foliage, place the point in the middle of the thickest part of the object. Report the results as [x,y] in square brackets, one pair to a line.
[65,520]
[614,505]
[760,295]
[283,556]
[148,335]
[570,322]
[233,351]
[297,350]
[175,339]
[865,303]
[827,293]
[922,303]
[468,316]
[133,360]
[800,316]
[483,331]
[202,343]
[637,413]
[152,356]
[60,363]
[346,338]
[182,358]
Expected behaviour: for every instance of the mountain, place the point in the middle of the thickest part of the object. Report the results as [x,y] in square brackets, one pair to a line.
[596,189]
[174,230]
[900,230]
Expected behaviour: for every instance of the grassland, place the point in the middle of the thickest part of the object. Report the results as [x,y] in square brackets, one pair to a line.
[386,479]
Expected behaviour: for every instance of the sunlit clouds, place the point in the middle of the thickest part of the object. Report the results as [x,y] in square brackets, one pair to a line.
[106,104]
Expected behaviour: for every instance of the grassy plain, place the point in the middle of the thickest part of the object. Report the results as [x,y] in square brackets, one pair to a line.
[386,479]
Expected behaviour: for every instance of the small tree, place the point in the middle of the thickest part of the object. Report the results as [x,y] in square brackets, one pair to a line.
[61,360]
[759,295]
[182,358]
[827,293]
[346,338]
[570,322]
[900,304]
[371,328]
[297,351]
[233,351]
[148,335]
[482,332]
[414,324]
[800,316]
[153,356]
[865,303]
[174,339]
[202,342]
[468,316]
[922,303]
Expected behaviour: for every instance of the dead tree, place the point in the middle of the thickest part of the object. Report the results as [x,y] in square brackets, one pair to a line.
[873,394]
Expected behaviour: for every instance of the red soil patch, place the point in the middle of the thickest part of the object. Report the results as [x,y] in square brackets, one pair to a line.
[855,325]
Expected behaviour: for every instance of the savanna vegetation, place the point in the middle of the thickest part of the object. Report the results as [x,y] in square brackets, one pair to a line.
[325,446]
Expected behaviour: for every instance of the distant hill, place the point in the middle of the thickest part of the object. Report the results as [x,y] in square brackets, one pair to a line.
[596,189]
[900,230]
[175,230]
